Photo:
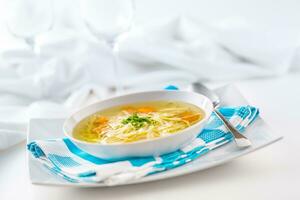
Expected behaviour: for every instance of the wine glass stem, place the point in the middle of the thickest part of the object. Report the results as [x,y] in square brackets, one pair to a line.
[115,53]
[34,47]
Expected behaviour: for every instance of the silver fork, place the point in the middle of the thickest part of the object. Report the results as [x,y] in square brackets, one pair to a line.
[240,140]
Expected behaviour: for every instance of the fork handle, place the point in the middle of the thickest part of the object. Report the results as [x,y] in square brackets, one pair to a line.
[240,139]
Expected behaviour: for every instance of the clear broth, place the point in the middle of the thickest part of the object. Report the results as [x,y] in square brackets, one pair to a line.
[137,121]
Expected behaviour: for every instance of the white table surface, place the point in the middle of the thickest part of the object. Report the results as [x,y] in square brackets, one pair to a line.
[270,173]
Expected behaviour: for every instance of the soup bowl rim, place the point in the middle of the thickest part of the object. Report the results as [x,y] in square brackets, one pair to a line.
[70,135]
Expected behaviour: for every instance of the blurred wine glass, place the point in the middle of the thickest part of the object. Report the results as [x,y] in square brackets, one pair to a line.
[27,19]
[108,20]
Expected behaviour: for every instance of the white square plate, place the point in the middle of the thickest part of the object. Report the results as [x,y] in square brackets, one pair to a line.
[259,134]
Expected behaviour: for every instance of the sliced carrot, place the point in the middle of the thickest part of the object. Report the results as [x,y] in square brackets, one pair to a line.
[100,120]
[190,116]
[146,109]
[129,109]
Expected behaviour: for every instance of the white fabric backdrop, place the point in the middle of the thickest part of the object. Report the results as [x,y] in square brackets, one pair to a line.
[177,50]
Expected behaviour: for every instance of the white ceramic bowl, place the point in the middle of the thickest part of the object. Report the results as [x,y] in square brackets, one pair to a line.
[142,148]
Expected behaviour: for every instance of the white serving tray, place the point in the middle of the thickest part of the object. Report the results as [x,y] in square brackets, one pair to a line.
[259,134]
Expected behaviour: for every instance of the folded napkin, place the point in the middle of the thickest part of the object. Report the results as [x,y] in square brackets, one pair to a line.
[63,158]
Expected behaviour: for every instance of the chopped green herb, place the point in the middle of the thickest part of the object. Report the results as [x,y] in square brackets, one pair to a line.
[137,121]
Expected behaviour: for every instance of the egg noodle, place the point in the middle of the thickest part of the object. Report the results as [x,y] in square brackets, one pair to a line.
[134,123]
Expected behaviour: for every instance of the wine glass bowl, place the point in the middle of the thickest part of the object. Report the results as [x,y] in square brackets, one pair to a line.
[107,20]
[27,19]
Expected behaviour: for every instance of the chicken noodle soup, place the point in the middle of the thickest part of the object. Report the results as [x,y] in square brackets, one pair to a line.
[138,121]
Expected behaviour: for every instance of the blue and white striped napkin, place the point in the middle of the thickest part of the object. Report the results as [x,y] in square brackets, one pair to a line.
[66,160]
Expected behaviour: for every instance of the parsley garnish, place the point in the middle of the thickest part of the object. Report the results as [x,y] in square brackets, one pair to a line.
[137,121]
